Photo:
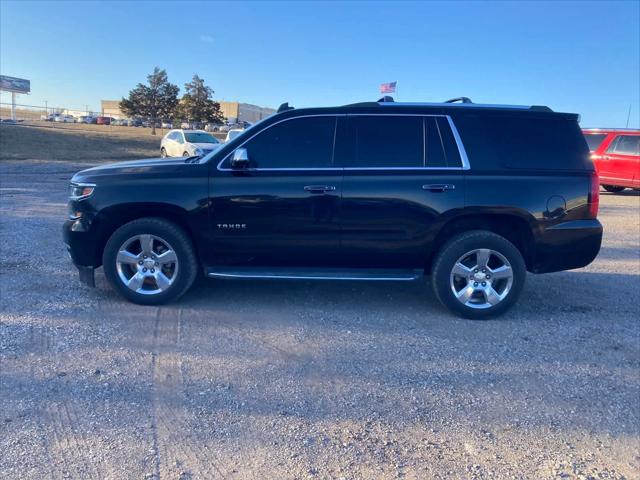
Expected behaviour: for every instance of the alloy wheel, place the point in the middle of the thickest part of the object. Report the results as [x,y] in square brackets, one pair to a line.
[481,278]
[147,264]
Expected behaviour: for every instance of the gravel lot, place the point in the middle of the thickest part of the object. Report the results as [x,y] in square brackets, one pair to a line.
[278,379]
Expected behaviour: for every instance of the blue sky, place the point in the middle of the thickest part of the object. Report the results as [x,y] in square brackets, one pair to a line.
[573,56]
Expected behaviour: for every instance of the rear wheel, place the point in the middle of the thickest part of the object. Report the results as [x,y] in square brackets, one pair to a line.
[150,261]
[185,154]
[613,188]
[478,274]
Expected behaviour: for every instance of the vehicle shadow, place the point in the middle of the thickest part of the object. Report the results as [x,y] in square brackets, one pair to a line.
[542,295]
[627,192]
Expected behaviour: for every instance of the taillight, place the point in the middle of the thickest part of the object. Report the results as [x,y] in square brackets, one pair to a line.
[594,195]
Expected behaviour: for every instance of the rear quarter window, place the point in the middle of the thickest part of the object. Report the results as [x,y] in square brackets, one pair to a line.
[496,142]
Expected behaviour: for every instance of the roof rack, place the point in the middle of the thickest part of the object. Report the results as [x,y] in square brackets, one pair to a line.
[284,107]
[459,99]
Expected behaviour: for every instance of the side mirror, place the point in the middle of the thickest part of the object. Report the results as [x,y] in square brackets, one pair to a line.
[240,159]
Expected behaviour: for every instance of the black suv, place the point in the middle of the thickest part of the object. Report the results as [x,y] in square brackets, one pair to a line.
[474,195]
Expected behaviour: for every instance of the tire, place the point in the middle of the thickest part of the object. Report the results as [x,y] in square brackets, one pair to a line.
[172,277]
[163,153]
[467,250]
[185,154]
[613,188]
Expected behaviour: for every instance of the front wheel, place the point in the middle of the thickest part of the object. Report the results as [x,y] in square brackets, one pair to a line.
[150,261]
[185,154]
[478,274]
[163,153]
[613,188]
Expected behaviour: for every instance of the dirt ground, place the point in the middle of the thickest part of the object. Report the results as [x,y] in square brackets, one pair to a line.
[281,379]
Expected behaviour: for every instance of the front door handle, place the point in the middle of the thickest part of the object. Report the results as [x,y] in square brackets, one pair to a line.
[319,188]
[438,187]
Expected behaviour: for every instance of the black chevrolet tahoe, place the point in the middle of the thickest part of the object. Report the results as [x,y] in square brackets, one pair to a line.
[472,195]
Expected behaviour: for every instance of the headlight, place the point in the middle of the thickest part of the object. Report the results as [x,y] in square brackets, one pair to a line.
[79,191]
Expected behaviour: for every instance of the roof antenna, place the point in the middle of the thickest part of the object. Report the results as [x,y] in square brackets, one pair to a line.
[386,99]
[284,107]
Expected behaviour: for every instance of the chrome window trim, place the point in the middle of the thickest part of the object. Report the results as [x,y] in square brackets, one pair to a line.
[461,150]
[463,153]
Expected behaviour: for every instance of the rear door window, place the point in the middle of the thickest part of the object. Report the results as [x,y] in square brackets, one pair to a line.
[625,145]
[435,148]
[442,150]
[386,141]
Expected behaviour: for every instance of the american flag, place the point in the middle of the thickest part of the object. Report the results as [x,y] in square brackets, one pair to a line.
[388,87]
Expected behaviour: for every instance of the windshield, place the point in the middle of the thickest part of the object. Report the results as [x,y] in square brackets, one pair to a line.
[200,137]
[594,140]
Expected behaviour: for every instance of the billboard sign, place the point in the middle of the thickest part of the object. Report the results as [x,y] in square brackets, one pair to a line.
[13,84]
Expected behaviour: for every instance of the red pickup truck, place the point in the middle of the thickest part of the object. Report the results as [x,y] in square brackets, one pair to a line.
[616,154]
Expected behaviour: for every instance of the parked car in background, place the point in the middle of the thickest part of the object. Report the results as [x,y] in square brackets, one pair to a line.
[187,143]
[192,126]
[84,119]
[242,124]
[64,119]
[167,125]
[211,127]
[135,122]
[231,134]
[616,155]
[103,120]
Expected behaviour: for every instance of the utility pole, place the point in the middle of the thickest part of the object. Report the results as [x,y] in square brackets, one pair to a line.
[46,109]
[628,116]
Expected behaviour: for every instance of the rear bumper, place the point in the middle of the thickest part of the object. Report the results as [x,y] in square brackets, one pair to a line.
[567,245]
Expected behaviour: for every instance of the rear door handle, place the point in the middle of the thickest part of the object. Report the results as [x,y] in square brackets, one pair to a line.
[319,188]
[438,187]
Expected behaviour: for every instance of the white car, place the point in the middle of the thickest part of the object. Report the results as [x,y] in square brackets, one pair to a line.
[187,143]
[64,119]
[233,133]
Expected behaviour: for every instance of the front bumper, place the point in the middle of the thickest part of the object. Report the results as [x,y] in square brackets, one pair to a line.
[567,245]
[80,244]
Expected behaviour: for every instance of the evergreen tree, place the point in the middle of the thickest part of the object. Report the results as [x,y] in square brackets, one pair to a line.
[197,103]
[154,101]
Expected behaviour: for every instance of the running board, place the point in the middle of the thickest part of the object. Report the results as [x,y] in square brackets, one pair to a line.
[380,274]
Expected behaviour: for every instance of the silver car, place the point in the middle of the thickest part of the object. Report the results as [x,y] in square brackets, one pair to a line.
[187,143]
